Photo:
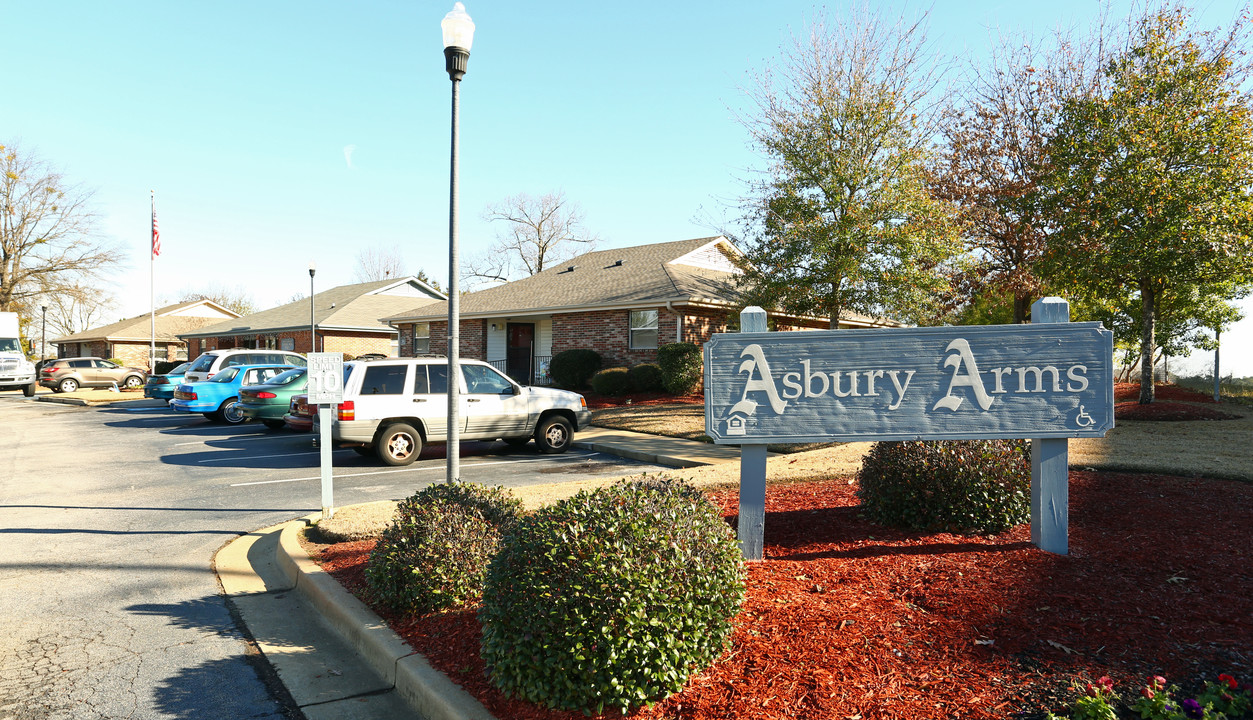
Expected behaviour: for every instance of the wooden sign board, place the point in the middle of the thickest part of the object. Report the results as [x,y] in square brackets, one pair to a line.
[1052,380]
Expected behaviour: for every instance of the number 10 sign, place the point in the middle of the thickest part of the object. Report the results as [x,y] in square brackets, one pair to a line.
[326,378]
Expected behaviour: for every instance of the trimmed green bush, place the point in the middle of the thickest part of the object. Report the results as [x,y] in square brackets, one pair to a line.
[573,368]
[436,551]
[611,381]
[645,377]
[968,486]
[611,598]
[118,361]
[681,367]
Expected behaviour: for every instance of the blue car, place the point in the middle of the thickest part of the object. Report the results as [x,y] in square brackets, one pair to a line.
[218,399]
[162,387]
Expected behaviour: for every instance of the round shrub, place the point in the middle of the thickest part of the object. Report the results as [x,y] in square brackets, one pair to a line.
[611,381]
[681,367]
[970,486]
[573,368]
[611,598]
[436,551]
[119,361]
[645,377]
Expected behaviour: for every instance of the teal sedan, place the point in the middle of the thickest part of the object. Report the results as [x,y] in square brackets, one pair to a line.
[218,399]
[270,400]
[162,387]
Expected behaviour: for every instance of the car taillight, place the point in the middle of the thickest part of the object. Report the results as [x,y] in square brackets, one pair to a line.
[347,411]
[48,371]
[266,395]
[158,381]
[210,375]
[191,396]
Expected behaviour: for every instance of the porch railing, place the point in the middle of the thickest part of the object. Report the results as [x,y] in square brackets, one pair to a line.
[537,375]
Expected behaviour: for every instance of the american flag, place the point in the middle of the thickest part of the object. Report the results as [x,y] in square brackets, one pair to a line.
[156,234]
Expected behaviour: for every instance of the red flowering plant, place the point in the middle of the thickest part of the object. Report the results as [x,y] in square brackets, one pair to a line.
[1227,697]
[1222,700]
[1096,702]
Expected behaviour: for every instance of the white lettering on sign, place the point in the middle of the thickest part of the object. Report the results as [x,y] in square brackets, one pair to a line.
[867,384]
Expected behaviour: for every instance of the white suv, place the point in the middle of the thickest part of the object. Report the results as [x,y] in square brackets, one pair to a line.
[393,406]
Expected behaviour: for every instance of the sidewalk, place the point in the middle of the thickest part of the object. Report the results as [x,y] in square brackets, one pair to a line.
[337,658]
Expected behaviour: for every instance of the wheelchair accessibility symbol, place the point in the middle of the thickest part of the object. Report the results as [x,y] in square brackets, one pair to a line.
[1083,419]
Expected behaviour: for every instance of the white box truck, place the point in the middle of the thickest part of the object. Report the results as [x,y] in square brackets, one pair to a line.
[16,371]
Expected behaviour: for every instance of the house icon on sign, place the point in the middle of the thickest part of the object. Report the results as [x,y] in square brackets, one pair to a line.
[736,425]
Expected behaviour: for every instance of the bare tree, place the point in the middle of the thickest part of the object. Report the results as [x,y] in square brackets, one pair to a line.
[48,237]
[69,313]
[379,263]
[236,299]
[539,232]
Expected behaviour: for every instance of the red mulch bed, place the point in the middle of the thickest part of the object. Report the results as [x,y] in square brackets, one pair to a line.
[598,402]
[1170,402]
[847,619]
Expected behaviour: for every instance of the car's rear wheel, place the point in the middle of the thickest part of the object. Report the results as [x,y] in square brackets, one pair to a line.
[132,381]
[274,424]
[554,434]
[68,385]
[232,412]
[399,444]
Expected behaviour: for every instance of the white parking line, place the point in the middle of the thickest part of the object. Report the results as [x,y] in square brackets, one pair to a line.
[246,438]
[235,458]
[435,468]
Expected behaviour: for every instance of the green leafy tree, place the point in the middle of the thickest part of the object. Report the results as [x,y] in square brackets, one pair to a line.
[843,221]
[993,159]
[1152,175]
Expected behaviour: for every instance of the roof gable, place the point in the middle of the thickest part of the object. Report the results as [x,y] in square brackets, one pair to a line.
[630,276]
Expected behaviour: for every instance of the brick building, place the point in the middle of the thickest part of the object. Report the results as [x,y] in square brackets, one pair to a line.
[131,340]
[345,319]
[622,303]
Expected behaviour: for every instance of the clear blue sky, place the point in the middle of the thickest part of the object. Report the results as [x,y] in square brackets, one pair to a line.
[239,114]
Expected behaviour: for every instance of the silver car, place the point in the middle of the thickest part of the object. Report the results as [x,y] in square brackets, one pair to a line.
[392,407]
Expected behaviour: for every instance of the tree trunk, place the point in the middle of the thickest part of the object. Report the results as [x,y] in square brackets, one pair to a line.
[1147,321]
[1022,308]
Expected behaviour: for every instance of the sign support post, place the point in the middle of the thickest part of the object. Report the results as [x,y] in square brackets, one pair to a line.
[326,388]
[752,522]
[1050,476]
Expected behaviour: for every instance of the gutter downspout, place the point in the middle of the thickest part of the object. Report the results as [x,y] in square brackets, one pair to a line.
[678,324]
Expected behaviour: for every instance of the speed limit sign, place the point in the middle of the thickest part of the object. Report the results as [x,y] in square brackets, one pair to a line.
[326,378]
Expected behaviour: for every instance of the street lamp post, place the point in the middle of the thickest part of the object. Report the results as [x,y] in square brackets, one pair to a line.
[458,31]
[313,342]
[43,334]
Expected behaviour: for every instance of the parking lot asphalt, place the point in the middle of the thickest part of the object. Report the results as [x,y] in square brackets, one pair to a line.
[335,656]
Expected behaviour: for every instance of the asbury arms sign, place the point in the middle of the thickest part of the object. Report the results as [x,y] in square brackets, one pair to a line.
[944,383]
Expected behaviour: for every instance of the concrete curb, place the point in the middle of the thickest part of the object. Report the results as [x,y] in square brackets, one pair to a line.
[61,399]
[424,688]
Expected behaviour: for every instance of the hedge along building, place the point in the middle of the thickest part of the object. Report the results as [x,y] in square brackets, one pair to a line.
[345,319]
[130,340]
[622,303]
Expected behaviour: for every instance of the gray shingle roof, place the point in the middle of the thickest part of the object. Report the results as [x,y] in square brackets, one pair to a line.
[598,280]
[168,326]
[347,307]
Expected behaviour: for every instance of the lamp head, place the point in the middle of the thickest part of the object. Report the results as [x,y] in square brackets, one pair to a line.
[313,268]
[458,31]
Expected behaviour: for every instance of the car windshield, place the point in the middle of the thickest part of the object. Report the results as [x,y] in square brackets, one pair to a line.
[179,369]
[10,345]
[226,375]
[202,363]
[286,378]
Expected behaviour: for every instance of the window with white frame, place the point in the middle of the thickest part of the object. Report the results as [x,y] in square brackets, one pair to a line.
[421,338]
[643,329]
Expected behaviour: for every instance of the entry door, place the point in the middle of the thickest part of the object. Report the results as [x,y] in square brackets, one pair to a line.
[519,351]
